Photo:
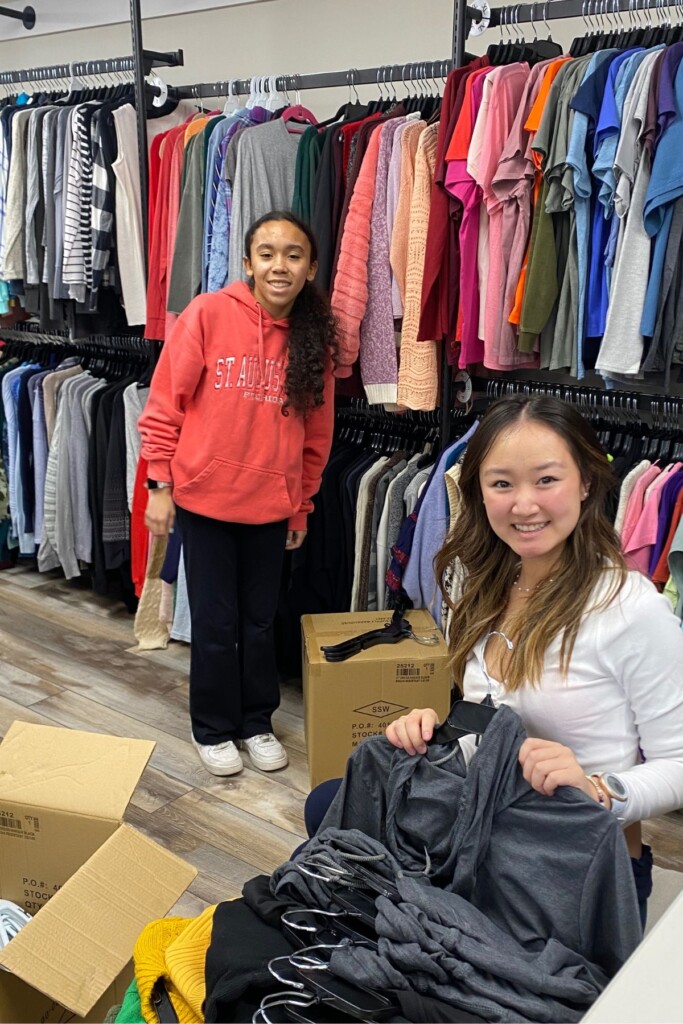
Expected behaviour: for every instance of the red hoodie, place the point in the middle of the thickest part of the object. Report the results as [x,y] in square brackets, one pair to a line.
[213,423]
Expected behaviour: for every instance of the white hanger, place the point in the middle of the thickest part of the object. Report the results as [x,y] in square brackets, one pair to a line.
[232,102]
[262,97]
[75,82]
[251,99]
[275,99]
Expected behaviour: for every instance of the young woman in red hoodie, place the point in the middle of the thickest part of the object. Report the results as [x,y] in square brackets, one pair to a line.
[237,431]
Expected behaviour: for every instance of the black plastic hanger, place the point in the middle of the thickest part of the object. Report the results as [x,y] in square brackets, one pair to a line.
[465,717]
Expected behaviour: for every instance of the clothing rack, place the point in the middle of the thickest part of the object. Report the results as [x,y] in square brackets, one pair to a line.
[383,75]
[380,75]
[90,68]
[32,333]
[664,410]
[140,63]
[546,11]
[534,13]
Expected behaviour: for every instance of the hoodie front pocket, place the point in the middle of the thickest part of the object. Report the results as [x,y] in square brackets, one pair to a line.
[237,493]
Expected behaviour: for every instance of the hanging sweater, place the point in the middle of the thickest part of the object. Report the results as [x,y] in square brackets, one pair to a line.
[418,377]
[350,293]
[399,238]
[264,181]
[213,424]
[378,360]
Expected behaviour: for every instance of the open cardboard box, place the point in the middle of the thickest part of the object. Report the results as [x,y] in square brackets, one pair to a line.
[346,702]
[65,852]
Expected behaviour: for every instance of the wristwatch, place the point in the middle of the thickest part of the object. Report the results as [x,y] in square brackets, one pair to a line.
[616,790]
[157,485]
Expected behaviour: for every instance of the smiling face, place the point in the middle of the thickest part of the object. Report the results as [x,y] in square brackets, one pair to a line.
[279,263]
[532,490]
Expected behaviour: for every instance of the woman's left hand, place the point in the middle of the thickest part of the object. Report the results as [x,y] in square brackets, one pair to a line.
[295,539]
[547,765]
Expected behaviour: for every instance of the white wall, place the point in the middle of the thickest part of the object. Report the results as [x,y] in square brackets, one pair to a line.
[65,15]
[274,36]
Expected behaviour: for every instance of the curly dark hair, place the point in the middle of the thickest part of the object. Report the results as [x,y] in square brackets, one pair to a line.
[313,330]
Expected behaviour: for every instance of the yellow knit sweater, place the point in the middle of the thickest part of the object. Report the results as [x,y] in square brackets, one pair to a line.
[418,375]
[174,949]
[399,236]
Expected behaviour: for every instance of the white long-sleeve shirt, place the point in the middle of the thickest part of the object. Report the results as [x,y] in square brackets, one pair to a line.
[620,708]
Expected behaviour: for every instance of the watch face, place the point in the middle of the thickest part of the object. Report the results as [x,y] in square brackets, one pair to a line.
[616,786]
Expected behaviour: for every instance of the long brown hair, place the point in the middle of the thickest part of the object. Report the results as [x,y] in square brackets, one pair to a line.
[490,566]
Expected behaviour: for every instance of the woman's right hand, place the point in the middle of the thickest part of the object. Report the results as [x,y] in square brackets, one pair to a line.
[160,513]
[411,732]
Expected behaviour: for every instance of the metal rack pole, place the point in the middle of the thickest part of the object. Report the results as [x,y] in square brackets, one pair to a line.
[460,32]
[545,11]
[140,109]
[388,74]
[87,68]
[461,22]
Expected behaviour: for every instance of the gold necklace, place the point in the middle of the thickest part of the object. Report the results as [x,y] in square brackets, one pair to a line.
[528,590]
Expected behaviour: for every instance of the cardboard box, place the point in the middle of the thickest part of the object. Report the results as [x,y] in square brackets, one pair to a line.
[348,701]
[95,881]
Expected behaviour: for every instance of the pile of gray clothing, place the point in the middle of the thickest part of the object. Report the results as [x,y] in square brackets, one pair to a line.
[511,905]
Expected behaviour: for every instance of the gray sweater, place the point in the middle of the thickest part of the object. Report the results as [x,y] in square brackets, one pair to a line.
[264,181]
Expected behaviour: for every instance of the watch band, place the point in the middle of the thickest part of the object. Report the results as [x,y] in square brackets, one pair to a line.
[157,485]
[598,789]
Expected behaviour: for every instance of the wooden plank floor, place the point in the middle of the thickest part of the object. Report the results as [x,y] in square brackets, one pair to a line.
[66,659]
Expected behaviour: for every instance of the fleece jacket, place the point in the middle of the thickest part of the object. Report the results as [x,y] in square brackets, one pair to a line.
[213,423]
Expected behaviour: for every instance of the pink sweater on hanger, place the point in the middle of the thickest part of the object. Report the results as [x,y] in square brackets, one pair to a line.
[350,292]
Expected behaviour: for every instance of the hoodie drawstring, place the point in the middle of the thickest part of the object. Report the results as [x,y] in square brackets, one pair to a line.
[261,350]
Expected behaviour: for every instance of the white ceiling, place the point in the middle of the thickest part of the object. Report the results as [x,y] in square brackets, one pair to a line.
[64,15]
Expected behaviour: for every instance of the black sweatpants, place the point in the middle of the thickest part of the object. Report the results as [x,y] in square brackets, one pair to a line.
[233,577]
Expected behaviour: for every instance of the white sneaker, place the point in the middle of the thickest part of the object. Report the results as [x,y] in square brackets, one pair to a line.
[219,758]
[266,752]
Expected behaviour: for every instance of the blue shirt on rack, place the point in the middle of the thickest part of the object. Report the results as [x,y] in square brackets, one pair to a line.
[665,187]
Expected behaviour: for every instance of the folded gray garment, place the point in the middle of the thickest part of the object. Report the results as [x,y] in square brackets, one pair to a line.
[440,945]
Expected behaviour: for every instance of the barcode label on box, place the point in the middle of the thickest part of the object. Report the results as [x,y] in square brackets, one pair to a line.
[10,823]
[409,672]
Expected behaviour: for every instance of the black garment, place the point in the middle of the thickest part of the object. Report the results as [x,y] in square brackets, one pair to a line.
[258,897]
[318,568]
[424,1010]
[322,219]
[349,488]
[237,975]
[668,327]
[233,572]
[97,462]
[169,570]
[115,514]
[25,428]
[116,583]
